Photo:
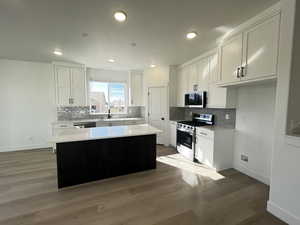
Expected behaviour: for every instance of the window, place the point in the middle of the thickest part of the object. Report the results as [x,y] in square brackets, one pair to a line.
[104,96]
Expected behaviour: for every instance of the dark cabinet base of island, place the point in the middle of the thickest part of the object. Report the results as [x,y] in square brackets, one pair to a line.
[84,161]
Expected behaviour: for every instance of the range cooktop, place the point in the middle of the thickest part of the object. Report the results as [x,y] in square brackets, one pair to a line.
[199,120]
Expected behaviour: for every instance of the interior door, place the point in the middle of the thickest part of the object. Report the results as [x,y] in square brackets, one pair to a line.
[157,111]
[231,59]
[63,85]
[78,91]
[261,52]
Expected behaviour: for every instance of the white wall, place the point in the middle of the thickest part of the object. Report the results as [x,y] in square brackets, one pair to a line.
[27,104]
[284,199]
[255,129]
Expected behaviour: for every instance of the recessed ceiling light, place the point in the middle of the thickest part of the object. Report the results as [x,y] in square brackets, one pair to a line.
[111,60]
[120,16]
[191,35]
[152,65]
[57,52]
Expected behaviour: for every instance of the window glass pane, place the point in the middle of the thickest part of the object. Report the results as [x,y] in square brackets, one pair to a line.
[104,96]
[117,98]
[98,97]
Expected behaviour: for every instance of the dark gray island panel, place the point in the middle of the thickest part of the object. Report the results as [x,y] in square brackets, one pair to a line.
[84,161]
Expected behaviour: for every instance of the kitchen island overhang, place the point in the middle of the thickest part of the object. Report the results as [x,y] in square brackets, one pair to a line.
[90,154]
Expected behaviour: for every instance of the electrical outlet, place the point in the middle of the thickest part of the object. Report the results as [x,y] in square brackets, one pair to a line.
[244,158]
[227,116]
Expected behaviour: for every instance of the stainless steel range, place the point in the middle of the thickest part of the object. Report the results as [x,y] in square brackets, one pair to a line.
[186,134]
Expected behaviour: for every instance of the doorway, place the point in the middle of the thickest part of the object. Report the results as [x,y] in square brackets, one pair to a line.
[158,111]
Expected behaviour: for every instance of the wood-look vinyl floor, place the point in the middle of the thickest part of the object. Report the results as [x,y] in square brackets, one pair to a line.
[29,196]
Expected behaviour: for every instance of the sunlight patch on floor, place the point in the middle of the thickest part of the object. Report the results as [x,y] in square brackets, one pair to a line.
[190,170]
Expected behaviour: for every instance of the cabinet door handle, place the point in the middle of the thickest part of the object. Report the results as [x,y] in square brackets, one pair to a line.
[202,133]
[242,71]
[238,73]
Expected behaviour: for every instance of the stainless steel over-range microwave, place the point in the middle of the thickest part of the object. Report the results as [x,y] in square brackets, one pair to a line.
[196,99]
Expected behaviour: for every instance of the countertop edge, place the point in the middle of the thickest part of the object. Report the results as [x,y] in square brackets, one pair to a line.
[136,130]
[102,138]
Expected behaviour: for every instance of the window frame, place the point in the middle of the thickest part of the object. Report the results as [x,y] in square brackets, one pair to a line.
[109,82]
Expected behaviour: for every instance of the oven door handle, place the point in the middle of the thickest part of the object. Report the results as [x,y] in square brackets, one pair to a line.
[185,131]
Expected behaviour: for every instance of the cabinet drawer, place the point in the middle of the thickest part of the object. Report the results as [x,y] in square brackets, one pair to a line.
[203,132]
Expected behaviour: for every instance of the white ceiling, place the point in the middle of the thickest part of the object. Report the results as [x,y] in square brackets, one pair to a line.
[32,29]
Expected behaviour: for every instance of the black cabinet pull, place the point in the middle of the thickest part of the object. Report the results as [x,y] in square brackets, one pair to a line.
[162,118]
[242,71]
[238,74]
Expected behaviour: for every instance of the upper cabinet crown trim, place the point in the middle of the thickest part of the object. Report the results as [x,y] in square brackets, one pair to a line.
[261,17]
[205,55]
[66,64]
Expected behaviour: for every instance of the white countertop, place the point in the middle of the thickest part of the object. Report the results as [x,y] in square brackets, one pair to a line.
[84,134]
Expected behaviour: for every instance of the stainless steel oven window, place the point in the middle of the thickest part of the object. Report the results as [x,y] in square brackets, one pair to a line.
[185,138]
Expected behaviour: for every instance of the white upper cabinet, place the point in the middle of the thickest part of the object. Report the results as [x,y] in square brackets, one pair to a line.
[181,86]
[261,49]
[136,88]
[251,55]
[203,74]
[218,97]
[70,85]
[191,73]
[78,86]
[214,68]
[231,53]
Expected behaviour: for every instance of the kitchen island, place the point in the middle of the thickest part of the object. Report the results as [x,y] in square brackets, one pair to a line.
[90,154]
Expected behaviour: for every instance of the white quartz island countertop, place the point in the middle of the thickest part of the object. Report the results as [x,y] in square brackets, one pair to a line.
[85,134]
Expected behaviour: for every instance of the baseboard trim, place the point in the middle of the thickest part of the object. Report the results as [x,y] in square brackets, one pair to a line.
[250,173]
[282,214]
[22,148]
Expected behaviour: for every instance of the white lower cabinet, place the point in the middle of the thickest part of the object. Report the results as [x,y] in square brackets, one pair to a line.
[173,133]
[214,147]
